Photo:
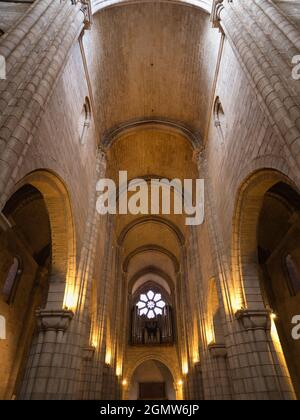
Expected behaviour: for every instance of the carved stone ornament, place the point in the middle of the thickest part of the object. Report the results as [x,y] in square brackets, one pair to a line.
[255,319]
[218,6]
[54,320]
[217,350]
[86,9]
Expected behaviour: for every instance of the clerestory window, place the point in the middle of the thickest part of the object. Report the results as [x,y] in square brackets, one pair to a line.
[293,274]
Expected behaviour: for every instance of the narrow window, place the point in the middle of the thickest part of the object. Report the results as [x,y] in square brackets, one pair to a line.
[11,280]
[219,119]
[293,274]
[84,121]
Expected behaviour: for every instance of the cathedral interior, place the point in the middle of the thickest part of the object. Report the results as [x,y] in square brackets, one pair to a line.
[143,306]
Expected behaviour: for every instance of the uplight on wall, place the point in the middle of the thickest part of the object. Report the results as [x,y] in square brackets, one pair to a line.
[70,300]
[185,368]
[273,316]
[119,370]
[108,356]
[196,359]
[237,303]
[94,339]
[124,382]
[210,335]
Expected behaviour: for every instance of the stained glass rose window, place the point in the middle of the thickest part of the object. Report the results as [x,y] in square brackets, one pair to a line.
[151,304]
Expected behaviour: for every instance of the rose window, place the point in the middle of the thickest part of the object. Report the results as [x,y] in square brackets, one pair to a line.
[151,304]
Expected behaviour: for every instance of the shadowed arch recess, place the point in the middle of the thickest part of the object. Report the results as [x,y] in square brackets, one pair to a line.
[58,204]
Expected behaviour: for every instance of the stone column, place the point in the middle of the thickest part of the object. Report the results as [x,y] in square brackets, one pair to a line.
[256,367]
[94,227]
[44,373]
[261,363]
[197,303]
[64,381]
[197,392]
[218,354]
[35,52]
[86,371]
[211,376]
[265,42]
[99,370]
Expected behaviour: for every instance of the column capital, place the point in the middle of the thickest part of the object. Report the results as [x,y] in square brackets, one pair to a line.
[252,319]
[217,350]
[88,353]
[86,9]
[49,320]
[199,157]
[198,154]
[218,6]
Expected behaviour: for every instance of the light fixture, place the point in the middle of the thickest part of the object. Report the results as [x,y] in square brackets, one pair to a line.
[180,382]
[273,316]
[124,382]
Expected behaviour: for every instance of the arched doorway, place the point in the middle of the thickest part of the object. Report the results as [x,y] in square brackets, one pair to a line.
[152,380]
[25,262]
[37,267]
[265,265]
[278,237]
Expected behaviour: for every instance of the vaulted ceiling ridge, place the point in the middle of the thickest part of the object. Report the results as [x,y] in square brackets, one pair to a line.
[112,136]
[98,5]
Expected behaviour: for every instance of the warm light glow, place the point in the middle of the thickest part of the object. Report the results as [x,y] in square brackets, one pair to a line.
[70,300]
[278,348]
[195,350]
[94,339]
[273,316]
[124,382]
[237,303]
[180,382]
[185,368]
[196,356]
[210,335]
[108,356]
[119,370]
[275,335]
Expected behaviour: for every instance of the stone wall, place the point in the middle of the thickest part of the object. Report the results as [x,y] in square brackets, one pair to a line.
[10,13]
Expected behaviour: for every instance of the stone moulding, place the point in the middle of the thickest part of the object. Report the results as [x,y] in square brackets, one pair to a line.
[54,320]
[218,6]
[254,319]
[217,350]
[86,9]
[98,5]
